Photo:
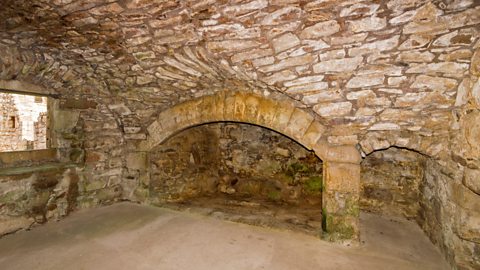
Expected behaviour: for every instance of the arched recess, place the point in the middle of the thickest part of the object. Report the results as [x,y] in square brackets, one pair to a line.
[341,163]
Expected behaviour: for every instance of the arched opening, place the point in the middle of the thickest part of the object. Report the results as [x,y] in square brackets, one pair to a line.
[391,182]
[341,170]
[239,172]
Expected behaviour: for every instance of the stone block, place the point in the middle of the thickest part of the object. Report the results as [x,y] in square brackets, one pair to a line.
[313,134]
[333,109]
[342,177]
[338,65]
[65,120]
[137,161]
[285,42]
[468,225]
[266,112]
[252,104]
[341,153]
[229,108]
[78,104]
[320,29]
[240,106]
[298,125]
[465,198]
[471,179]
[282,116]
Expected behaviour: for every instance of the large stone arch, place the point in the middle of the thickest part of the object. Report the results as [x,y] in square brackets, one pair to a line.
[341,163]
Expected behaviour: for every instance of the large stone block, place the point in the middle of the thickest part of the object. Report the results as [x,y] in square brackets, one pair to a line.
[298,124]
[341,153]
[342,177]
[266,112]
[313,134]
[137,161]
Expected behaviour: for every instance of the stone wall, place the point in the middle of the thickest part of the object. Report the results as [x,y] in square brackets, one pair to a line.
[391,181]
[375,74]
[237,159]
[31,196]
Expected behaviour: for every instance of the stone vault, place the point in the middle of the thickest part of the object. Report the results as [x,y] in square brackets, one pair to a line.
[347,79]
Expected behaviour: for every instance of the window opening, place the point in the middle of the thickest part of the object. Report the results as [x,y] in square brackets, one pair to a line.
[24,122]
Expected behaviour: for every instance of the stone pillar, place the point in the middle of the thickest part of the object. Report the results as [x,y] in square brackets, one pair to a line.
[341,201]
[341,191]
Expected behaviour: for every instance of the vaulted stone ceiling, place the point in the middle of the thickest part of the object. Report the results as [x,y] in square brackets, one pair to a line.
[364,68]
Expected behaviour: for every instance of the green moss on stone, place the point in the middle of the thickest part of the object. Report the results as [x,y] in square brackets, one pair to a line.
[314,185]
[274,195]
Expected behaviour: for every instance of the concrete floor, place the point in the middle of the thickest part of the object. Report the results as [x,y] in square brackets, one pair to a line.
[129,236]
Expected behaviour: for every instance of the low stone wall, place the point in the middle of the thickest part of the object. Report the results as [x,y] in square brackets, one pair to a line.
[34,195]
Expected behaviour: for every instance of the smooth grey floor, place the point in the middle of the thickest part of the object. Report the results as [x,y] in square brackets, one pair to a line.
[129,236]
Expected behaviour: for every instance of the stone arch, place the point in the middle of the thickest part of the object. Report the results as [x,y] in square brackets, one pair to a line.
[281,116]
[341,163]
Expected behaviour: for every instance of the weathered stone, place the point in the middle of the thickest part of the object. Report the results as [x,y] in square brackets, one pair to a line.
[377,46]
[367,24]
[470,179]
[359,9]
[349,39]
[360,94]
[365,80]
[333,109]
[476,92]
[304,80]
[231,45]
[253,54]
[322,96]
[285,42]
[288,62]
[320,29]
[445,67]
[415,56]
[279,16]
[396,81]
[415,41]
[245,8]
[308,87]
[335,54]
[280,76]
[338,65]
[434,83]
[475,64]
[385,126]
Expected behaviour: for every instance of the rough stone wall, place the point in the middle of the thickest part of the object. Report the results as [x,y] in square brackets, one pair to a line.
[31,197]
[237,159]
[377,73]
[449,212]
[391,181]
[367,68]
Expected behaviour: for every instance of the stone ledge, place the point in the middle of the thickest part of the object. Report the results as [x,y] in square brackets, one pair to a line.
[16,157]
[33,169]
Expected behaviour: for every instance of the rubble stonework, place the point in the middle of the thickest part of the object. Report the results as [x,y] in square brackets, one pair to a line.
[371,74]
